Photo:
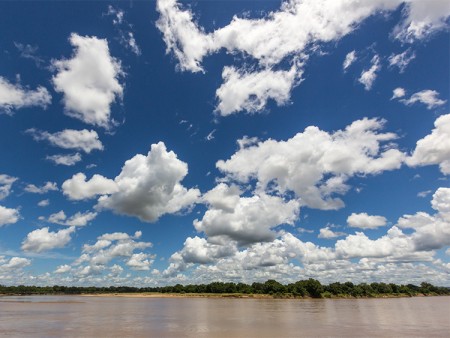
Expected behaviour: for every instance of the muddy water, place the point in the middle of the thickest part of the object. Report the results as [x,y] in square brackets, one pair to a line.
[73,316]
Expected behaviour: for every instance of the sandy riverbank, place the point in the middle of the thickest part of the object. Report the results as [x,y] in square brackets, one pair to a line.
[179,295]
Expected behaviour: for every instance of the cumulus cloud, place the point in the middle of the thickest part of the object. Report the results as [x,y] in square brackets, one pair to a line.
[398,93]
[89,80]
[296,28]
[402,60]
[422,19]
[244,219]
[14,96]
[288,31]
[250,91]
[315,164]
[67,160]
[369,76]
[78,219]
[365,221]
[149,186]
[43,240]
[140,262]
[44,203]
[274,259]
[111,246]
[78,188]
[6,183]
[427,97]
[85,140]
[8,215]
[182,36]
[349,59]
[327,233]
[435,147]
[14,263]
[395,245]
[63,268]
[48,186]
[432,232]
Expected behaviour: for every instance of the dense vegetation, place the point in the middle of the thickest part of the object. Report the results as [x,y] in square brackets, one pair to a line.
[304,288]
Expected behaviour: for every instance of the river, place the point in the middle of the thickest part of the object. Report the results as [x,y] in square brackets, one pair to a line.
[77,316]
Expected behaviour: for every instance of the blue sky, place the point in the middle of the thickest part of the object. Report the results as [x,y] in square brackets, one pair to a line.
[163,142]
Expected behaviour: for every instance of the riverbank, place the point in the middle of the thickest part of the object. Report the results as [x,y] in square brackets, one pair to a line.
[270,289]
[224,295]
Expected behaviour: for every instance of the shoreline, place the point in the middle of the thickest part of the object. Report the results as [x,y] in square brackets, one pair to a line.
[219,296]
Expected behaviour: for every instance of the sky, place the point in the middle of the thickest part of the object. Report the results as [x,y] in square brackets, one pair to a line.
[160,142]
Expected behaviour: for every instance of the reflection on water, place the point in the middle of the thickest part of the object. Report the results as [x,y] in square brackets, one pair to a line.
[73,316]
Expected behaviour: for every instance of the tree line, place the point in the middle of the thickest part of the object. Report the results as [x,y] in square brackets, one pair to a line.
[304,288]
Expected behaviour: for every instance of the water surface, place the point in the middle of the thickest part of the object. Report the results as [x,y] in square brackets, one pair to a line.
[76,316]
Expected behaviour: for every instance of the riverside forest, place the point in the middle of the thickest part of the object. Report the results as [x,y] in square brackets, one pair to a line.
[310,288]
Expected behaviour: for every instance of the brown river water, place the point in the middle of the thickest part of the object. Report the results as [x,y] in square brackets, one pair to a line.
[75,316]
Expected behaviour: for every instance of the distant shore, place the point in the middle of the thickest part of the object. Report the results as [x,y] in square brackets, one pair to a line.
[222,296]
[271,289]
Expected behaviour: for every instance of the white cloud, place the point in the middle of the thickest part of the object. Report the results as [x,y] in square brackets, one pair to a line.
[314,164]
[369,76]
[63,268]
[140,262]
[85,140]
[48,186]
[44,203]
[246,141]
[117,14]
[182,36]
[424,193]
[349,59]
[130,42]
[29,52]
[327,233]
[15,263]
[422,19]
[210,136]
[297,27]
[78,219]
[395,244]
[126,37]
[288,31]
[427,97]
[432,232]
[149,186]
[15,96]
[244,219]
[8,215]
[402,60]
[6,183]
[391,256]
[68,160]
[77,188]
[365,221]
[199,250]
[250,91]
[110,246]
[89,81]
[398,93]
[435,147]
[43,240]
